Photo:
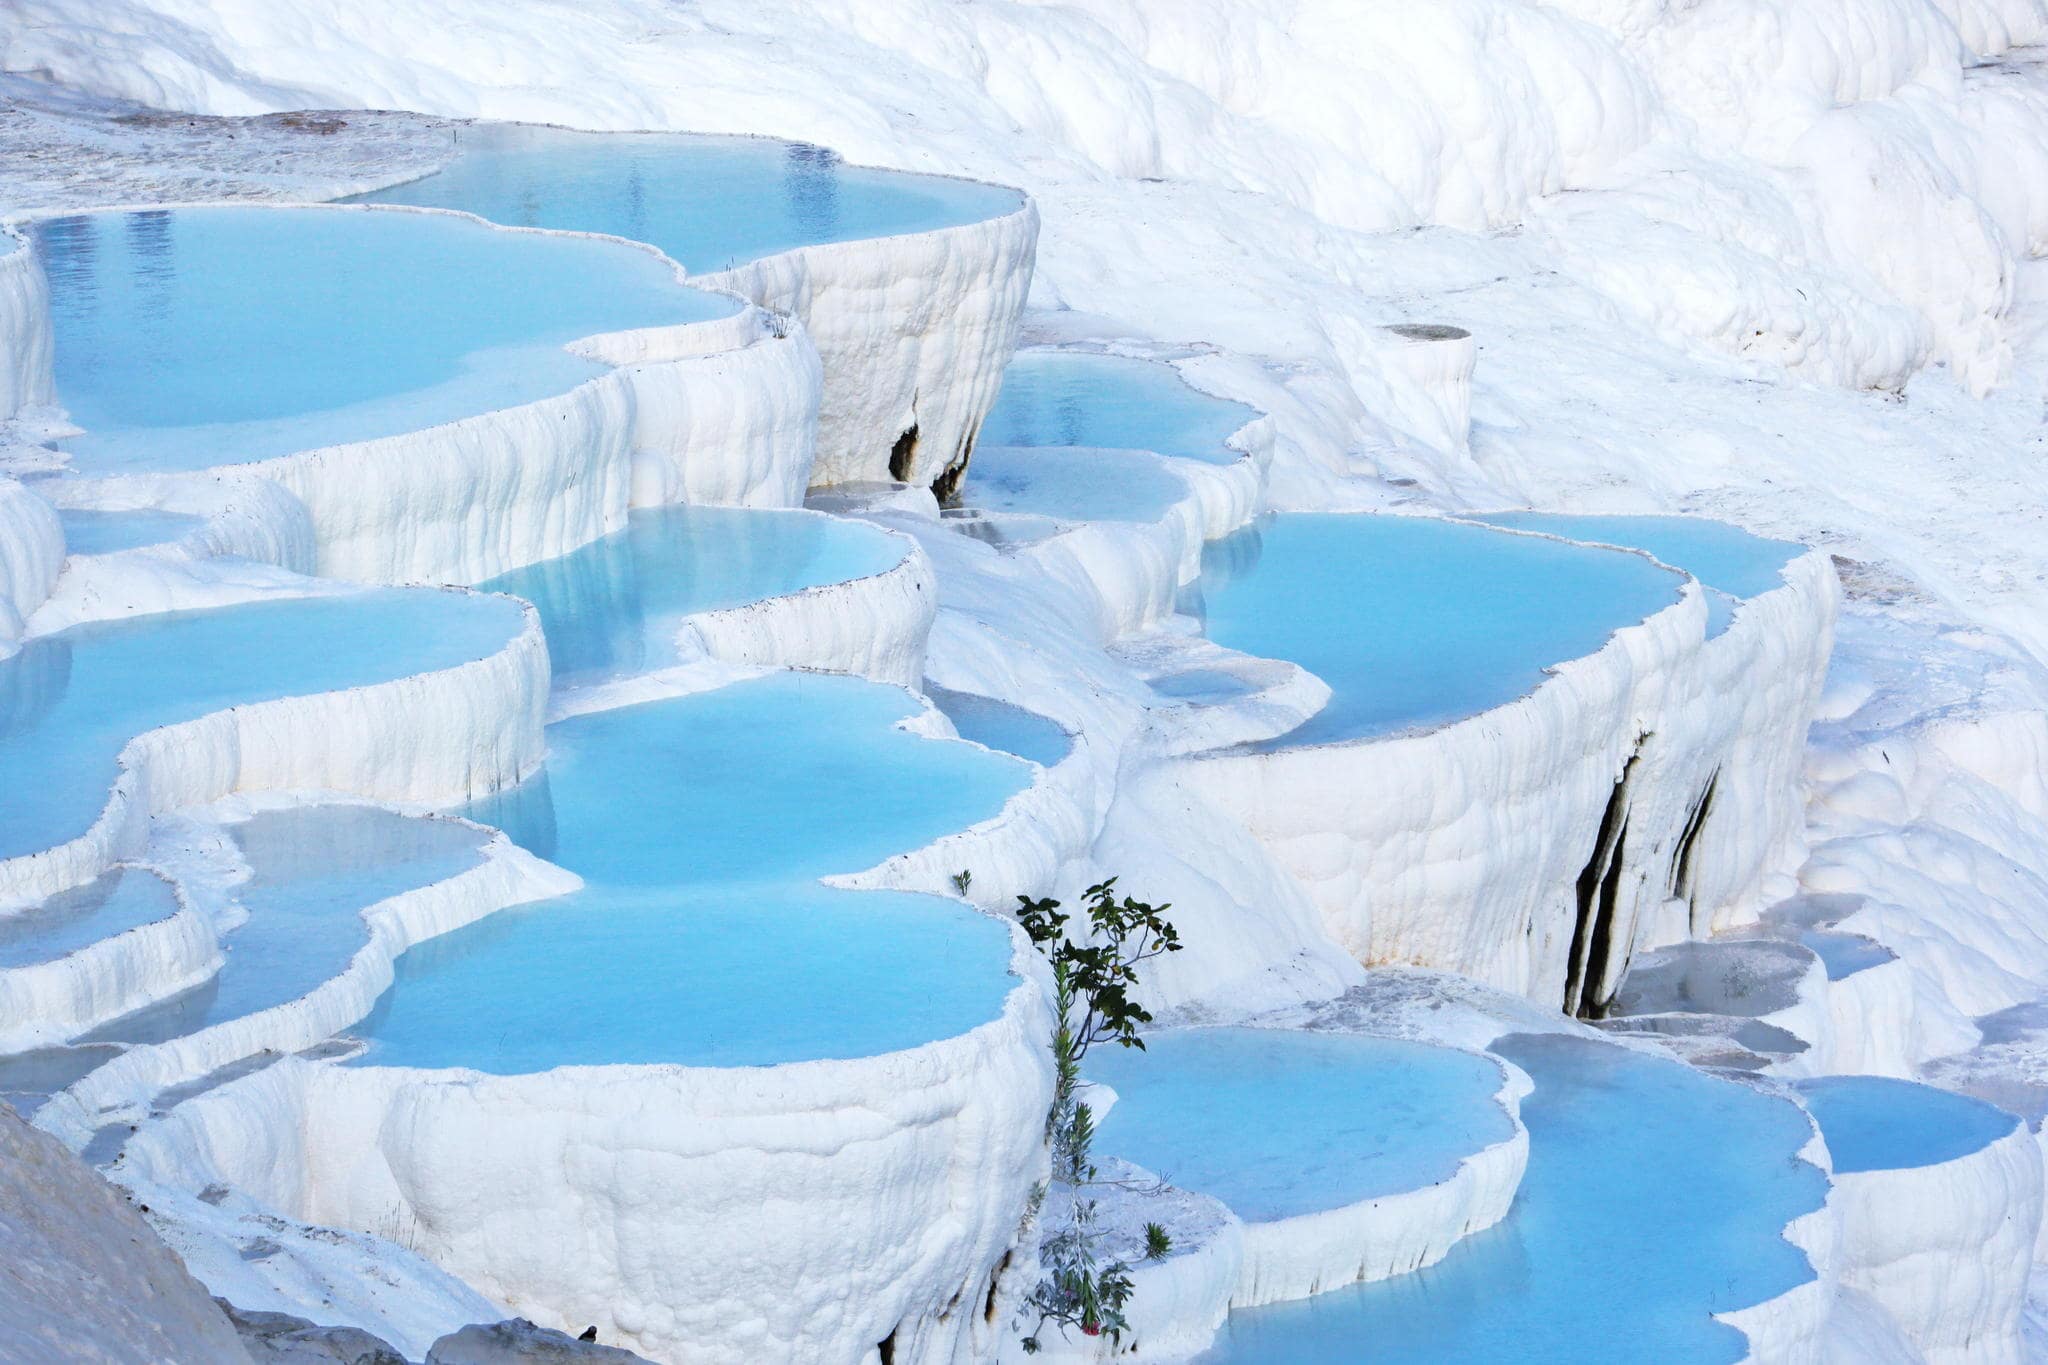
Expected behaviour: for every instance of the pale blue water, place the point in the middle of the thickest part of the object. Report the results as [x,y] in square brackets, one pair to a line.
[315,869]
[124,899]
[1280,1123]
[1072,485]
[701,937]
[1412,621]
[709,202]
[70,701]
[1000,725]
[1070,398]
[189,338]
[615,605]
[1729,562]
[1874,1123]
[1208,685]
[1655,1196]
[100,533]
[1845,954]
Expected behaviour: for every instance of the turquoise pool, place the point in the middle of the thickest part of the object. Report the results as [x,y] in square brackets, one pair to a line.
[125,898]
[1729,562]
[1655,1197]
[1074,398]
[702,937]
[189,338]
[1412,621]
[708,202]
[1070,485]
[1874,1123]
[616,605]
[314,870]
[69,702]
[100,533]
[1000,725]
[1278,1123]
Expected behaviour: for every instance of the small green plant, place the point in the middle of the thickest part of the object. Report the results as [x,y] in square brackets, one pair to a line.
[962,879]
[1093,980]
[1157,1244]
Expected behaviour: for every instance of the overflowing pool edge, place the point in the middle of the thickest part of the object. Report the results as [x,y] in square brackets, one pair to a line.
[439,736]
[720,410]
[28,376]
[1293,1258]
[121,1089]
[862,1185]
[1464,847]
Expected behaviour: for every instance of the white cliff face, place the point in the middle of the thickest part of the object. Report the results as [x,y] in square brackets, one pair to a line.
[26,378]
[914,332]
[31,555]
[1945,1249]
[873,627]
[1462,847]
[1465,847]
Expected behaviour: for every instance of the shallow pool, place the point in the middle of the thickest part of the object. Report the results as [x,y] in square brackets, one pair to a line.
[1071,485]
[1000,725]
[1729,562]
[314,870]
[702,937]
[1412,621]
[1874,1123]
[1655,1196]
[70,701]
[1073,398]
[101,533]
[1277,1123]
[616,605]
[1845,954]
[709,202]
[188,338]
[125,898]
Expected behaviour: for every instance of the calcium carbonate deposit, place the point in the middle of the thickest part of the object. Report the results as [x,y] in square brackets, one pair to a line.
[911,682]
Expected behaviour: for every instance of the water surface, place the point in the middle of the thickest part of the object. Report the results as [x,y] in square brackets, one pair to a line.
[1656,1196]
[1732,564]
[69,702]
[708,202]
[616,605]
[1412,621]
[314,870]
[1875,1123]
[702,937]
[100,533]
[1277,1123]
[1000,725]
[125,898]
[1073,398]
[189,338]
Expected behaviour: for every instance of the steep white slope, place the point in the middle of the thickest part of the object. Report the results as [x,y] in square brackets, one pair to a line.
[85,1278]
[914,332]
[31,556]
[25,343]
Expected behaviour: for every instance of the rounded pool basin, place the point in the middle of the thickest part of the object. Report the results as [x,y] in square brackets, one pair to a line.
[1416,622]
